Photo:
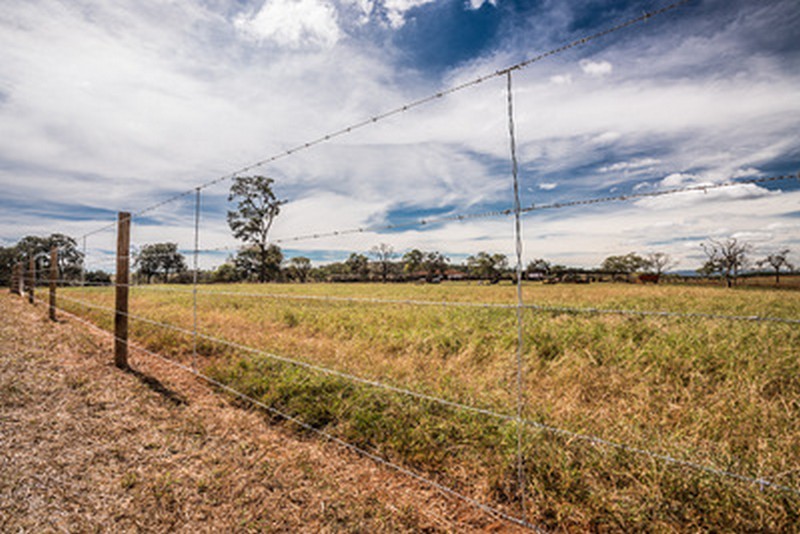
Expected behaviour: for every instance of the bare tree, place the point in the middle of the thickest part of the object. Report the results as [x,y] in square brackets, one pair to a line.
[383,254]
[658,263]
[777,261]
[727,257]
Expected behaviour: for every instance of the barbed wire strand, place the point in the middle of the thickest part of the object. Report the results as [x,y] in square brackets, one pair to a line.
[326,435]
[411,105]
[497,213]
[525,210]
[469,304]
[668,459]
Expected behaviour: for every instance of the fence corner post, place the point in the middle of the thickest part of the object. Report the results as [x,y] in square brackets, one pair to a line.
[53,280]
[121,283]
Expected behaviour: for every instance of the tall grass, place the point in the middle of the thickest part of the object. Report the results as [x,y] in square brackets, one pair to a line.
[725,394]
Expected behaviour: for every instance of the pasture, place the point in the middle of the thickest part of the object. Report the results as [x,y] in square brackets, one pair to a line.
[607,396]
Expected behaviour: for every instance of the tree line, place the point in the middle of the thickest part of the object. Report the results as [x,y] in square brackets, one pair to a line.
[256,206]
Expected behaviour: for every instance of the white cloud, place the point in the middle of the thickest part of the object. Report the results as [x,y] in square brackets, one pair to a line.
[293,24]
[596,68]
[561,79]
[396,10]
[477,4]
[631,166]
[548,186]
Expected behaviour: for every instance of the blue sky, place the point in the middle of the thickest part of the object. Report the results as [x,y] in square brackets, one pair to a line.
[115,106]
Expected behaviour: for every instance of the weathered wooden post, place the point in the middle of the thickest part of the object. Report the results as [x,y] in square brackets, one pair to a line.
[32,279]
[53,280]
[19,289]
[121,313]
[13,286]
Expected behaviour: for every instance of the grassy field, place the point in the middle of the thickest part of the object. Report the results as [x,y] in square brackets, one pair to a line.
[719,393]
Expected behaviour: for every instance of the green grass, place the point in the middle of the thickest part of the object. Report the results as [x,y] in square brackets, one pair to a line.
[719,393]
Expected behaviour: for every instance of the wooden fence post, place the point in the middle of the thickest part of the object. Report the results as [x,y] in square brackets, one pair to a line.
[121,313]
[19,280]
[53,279]
[32,279]
[13,285]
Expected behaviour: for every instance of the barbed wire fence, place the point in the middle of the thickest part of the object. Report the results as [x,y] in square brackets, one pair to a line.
[98,257]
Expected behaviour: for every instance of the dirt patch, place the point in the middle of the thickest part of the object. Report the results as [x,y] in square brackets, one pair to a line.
[85,447]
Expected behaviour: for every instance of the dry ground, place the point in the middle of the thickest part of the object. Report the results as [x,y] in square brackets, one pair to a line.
[85,447]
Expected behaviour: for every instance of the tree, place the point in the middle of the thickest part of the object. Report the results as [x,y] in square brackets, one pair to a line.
[777,261]
[627,264]
[383,254]
[8,257]
[98,277]
[658,263]
[358,265]
[255,212]
[435,264]
[159,258]
[70,259]
[538,266]
[251,263]
[727,257]
[226,273]
[412,261]
[487,266]
[298,269]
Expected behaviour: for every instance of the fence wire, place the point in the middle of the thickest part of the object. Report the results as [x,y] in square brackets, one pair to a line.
[763,483]
[572,310]
[319,432]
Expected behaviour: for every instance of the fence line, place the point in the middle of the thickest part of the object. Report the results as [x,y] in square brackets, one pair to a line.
[666,458]
[330,437]
[469,304]
[125,252]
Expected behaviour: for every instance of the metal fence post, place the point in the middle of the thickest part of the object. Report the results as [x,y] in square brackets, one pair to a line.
[121,309]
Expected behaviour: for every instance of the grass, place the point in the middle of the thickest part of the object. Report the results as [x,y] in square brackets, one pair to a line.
[719,393]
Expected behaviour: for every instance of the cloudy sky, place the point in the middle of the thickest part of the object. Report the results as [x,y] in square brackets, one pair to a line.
[109,106]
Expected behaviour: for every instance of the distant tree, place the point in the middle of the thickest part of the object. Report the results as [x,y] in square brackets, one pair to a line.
[627,264]
[727,257]
[251,263]
[487,266]
[777,261]
[383,254]
[299,268]
[412,261]
[659,262]
[98,277]
[256,209]
[435,264]
[226,273]
[538,266]
[8,257]
[70,259]
[159,258]
[358,265]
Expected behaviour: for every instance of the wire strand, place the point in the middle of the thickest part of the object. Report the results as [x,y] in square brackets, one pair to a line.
[668,459]
[326,435]
[411,105]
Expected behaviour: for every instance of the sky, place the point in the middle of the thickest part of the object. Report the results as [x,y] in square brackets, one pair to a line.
[117,106]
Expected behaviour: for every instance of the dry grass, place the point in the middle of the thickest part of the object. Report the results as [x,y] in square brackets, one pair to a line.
[723,394]
[85,447]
